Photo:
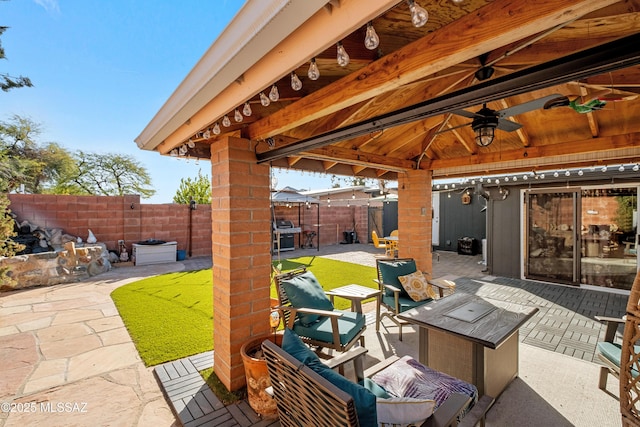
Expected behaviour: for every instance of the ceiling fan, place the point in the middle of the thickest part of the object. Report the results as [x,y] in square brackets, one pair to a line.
[486,121]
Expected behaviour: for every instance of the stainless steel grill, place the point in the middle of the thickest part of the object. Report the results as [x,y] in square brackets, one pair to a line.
[284,232]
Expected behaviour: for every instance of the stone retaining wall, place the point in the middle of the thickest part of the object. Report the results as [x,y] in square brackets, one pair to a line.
[70,265]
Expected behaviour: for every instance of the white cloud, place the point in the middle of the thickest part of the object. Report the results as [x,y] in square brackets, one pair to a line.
[49,5]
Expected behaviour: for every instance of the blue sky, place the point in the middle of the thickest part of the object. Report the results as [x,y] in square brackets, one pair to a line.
[101,69]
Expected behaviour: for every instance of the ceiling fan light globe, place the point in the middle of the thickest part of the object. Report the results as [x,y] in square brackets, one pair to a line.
[484,136]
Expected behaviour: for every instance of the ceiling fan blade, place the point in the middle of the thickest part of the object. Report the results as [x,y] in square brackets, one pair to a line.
[464,113]
[508,125]
[526,106]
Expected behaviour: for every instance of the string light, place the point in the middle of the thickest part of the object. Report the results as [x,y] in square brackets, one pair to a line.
[274,95]
[264,100]
[371,39]
[237,116]
[313,73]
[246,110]
[225,121]
[343,56]
[419,15]
[216,129]
[296,84]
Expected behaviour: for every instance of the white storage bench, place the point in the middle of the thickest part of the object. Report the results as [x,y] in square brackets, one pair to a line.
[154,254]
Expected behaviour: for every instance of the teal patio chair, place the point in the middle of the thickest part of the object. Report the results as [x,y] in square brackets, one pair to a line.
[395,298]
[309,312]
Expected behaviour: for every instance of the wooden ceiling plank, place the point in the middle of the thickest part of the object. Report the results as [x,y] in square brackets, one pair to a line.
[500,22]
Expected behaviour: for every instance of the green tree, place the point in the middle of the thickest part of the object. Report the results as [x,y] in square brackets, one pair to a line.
[27,162]
[105,175]
[198,189]
[8,82]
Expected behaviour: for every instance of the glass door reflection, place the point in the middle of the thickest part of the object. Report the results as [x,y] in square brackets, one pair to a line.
[551,249]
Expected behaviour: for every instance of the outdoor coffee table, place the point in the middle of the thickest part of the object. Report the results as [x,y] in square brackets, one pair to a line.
[471,338]
[356,293]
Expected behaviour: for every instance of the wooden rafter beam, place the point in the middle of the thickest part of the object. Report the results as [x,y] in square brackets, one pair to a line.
[500,22]
[359,158]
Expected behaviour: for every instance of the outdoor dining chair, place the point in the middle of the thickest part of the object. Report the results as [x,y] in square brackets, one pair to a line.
[308,392]
[308,311]
[381,243]
[395,296]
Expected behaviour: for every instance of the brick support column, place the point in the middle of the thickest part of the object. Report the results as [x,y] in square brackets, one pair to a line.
[240,236]
[414,217]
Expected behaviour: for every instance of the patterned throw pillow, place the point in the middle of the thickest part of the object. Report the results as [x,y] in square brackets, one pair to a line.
[417,286]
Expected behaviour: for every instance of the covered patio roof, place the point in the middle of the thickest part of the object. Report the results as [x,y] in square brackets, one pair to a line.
[409,103]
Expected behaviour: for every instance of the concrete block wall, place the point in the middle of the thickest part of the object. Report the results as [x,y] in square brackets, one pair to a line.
[334,221]
[113,218]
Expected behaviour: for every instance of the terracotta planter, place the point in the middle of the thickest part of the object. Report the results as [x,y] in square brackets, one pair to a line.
[255,369]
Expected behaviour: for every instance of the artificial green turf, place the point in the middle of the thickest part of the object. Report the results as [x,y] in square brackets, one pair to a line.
[171,316]
[168,316]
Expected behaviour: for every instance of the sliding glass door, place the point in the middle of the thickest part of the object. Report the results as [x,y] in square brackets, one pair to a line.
[609,237]
[551,229]
[585,236]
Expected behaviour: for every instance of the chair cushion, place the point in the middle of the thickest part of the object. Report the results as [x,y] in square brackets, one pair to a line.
[417,286]
[404,410]
[390,270]
[349,325]
[404,303]
[304,291]
[408,378]
[363,399]
[613,353]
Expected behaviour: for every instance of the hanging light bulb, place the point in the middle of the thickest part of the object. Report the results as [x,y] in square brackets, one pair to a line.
[556,174]
[296,84]
[246,110]
[264,100]
[173,153]
[206,134]
[419,15]
[274,95]
[567,173]
[621,168]
[371,39]
[580,173]
[190,143]
[343,56]
[636,167]
[216,129]
[237,116]
[225,121]
[541,176]
[313,73]
[604,169]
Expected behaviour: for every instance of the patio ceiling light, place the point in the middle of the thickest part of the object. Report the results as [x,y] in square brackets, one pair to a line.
[484,126]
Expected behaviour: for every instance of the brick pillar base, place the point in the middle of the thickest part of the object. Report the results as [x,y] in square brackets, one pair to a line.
[240,236]
[414,217]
